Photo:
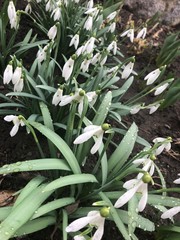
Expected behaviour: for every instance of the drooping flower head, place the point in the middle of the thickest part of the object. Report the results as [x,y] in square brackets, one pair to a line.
[17,121]
[165,143]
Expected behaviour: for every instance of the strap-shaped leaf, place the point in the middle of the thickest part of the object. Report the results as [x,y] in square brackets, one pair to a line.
[60,144]
[70,180]
[23,212]
[35,165]
[123,151]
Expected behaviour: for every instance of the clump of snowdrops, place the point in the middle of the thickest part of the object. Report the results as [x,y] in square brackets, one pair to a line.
[72,94]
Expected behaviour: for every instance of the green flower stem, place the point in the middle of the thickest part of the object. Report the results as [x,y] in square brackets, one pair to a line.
[162,190]
[70,124]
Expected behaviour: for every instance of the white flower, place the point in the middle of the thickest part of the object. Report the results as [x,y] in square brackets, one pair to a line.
[42,53]
[17,121]
[57,97]
[18,86]
[93,12]
[15,21]
[135,109]
[8,73]
[89,23]
[133,186]
[96,58]
[79,51]
[75,41]
[127,70]
[171,212]
[57,13]
[28,8]
[111,16]
[142,33]
[90,131]
[93,218]
[166,144]
[148,164]
[85,65]
[177,181]
[89,46]
[154,108]
[11,11]
[79,97]
[68,68]
[112,27]
[52,32]
[152,76]
[112,46]
[129,33]
[17,75]
[90,4]
[49,6]
[160,89]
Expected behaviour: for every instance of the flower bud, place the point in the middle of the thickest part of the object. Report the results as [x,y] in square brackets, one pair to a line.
[104,212]
[146,178]
[105,126]
[153,157]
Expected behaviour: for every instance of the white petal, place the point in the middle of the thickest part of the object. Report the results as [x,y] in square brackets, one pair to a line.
[159,139]
[78,224]
[17,75]
[14,130]
[143,200]
[57,97]
[66,99]
[139,161]
[159,149]
[18,87]
[171,212]
[154,108]
[68,68]
[130,183]
[125,197]
[160,89]
[8,73]
[99,232]
[10,118]
[177,181]
[127,70]
[152,76]
[84,137]
[80,107]
[92,127]
[97,144]
[168,146]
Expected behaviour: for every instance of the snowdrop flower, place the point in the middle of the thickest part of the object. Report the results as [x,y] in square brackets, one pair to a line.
[133,186]
[89,23]
[79,97]
[166,144]
[68,68]
[148,163]
[129,33]
[17,75]
[152,76]
[18,86]
[111,16]
[11,11]
[135,109]
[161,89]
[57,13]
[75,41]
[8,73]
[90,131]
[41,54]
[94,218]
[85,65]
[90,4]
[112,46]
[89,46]
[177,181]
[79,51]
[154,108]
[127,70]
[14,22]
[52,32]
[17,121]
[49,6]
[142,33]
[171,212]
[28,8]
[112,27]
[57,97]
[95,58]
[93,11]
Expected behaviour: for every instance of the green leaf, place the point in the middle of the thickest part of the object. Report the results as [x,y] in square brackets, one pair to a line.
[35,165]
[60,144]
[70,180]
[123,151]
